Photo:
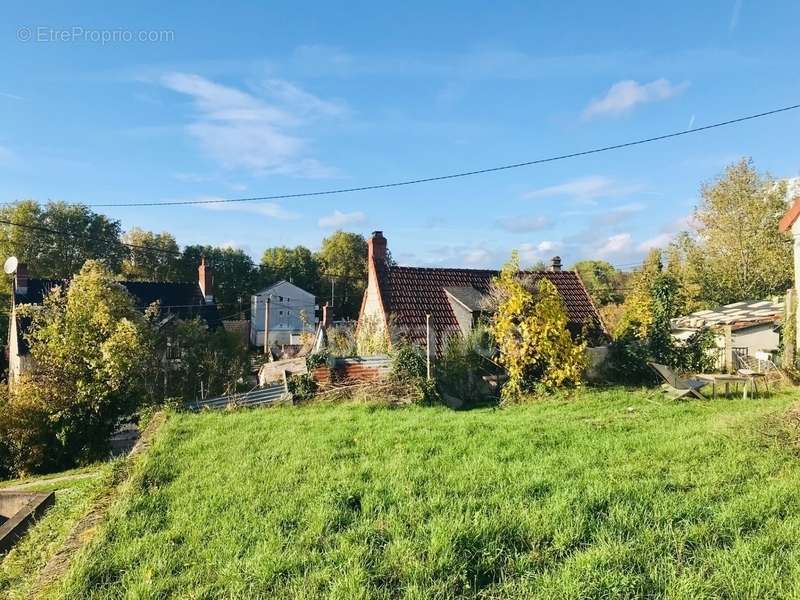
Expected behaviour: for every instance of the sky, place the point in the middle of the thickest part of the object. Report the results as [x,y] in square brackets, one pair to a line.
[111,103]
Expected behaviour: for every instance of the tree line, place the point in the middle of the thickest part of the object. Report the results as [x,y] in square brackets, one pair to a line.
[55,240]
[730,251]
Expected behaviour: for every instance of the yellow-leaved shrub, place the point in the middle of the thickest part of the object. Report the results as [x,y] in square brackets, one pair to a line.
[530,329]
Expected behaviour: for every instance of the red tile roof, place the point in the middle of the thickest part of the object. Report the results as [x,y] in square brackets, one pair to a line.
[409,293]
[790,217]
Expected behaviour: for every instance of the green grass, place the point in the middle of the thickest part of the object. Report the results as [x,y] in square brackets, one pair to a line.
[20,567]
[613,494]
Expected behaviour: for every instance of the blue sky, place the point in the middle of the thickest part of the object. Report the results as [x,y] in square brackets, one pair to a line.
[238,99]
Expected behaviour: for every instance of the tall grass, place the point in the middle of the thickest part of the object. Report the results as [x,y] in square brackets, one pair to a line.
[611,494]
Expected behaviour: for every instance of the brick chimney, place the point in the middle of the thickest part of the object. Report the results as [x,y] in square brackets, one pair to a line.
[376,249]
[556,264]
[205,279]
[21,279]
[327,316]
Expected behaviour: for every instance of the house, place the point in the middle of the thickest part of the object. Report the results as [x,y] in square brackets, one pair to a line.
[177,301]
[291,313]
[404,296]
[790,223]
[746,328]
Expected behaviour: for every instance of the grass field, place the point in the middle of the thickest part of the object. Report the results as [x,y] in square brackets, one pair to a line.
[74,493]
[613,494]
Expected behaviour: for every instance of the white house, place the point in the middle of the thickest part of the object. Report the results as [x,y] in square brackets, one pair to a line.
[790,223]
[291,313]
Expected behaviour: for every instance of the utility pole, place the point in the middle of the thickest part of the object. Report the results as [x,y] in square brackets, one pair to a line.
[428,344]
[333,286]
[266,324]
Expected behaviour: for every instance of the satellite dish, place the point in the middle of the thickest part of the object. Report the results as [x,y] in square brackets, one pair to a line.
[10,266]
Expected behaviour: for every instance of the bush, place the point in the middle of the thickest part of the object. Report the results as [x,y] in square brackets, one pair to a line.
[302,387]
[628,355]
[342,341]
[458,370]
[530,326]
[410,373]
[408,363]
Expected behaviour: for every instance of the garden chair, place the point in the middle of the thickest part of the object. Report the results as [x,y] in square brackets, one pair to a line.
[677,387]
[761,364]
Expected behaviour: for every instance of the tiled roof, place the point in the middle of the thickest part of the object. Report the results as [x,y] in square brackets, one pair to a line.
[790,217]
[185,300]
[409,293]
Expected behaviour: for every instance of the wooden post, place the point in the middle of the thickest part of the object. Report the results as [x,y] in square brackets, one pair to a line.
[266,324]
[728,349]
[428,344]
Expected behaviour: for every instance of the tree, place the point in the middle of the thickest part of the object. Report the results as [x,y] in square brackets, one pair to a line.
[647,336]
[602,281]
[235,275]
[210,362]
[160,264]
[88,236]
[530,329]
[94,236]
[90,349]
[297,265]
[637,310]
[739,253]
[343,259]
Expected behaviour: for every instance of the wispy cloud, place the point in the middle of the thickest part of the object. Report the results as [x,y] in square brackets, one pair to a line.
[271,210]
[623,96]
[531,253]
[585,189]
[523,223]
[668,232]
[618,214]
[615,245]
[241,130]
[734,22]
[12,96]
[341,219]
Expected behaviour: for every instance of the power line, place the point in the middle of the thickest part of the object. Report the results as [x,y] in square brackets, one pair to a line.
[109,240]
[416,181]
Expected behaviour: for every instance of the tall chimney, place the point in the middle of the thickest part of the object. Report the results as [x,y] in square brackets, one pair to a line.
[556,266]
[21,279]
[376,249]
[205,278]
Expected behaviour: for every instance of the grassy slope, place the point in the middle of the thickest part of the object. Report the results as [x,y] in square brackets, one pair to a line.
[610,495]
[20,567]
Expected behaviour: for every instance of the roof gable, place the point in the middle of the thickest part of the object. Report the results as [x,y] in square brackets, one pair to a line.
[288,289]
[411,293]
[790,217]
[185,300]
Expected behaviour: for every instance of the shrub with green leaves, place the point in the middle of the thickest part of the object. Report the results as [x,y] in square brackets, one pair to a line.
[629,353]
[302,387]
[409,370]
[90,348]
[459,369]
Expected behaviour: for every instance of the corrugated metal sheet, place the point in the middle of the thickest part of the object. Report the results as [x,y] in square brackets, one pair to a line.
[257,397]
